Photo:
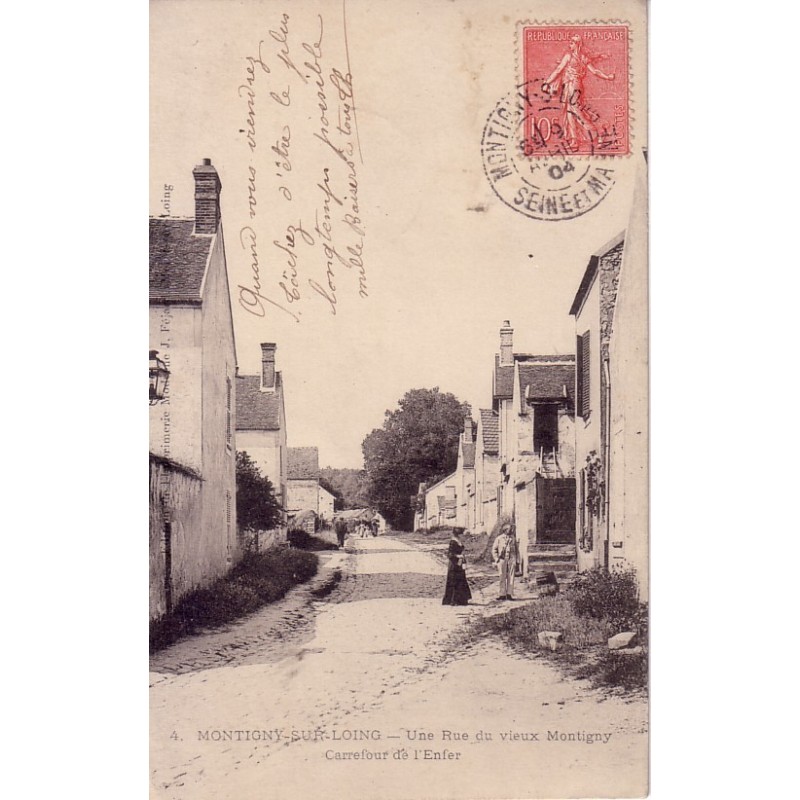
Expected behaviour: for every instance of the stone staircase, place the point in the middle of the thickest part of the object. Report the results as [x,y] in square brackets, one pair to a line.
[562,559]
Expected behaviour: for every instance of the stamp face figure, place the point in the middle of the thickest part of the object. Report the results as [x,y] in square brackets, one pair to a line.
[583,72]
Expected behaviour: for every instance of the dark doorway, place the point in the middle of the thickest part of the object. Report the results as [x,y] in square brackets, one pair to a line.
[545,427]
[555,510]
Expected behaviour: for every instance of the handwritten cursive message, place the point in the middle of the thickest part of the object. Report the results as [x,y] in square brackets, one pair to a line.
[304,236]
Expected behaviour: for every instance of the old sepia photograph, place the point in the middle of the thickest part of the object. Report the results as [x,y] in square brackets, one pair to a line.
[398,400]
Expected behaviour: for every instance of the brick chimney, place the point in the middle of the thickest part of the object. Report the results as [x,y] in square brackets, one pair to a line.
[506,344]
[468,426]
[268,365]
[207,187]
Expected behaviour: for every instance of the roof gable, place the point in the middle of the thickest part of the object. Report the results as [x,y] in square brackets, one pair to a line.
[543,381]
[490,431]
[302,463]
[441,482]
[468,451]
[257,410]
[178,260]
[503,384]
[503,380]
[591,273]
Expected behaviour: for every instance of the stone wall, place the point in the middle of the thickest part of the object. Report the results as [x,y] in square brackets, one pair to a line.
[175,498]
[302,495]
[175,422]
[608,279]
[628,479]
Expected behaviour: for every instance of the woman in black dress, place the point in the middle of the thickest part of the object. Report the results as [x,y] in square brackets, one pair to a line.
[456,591]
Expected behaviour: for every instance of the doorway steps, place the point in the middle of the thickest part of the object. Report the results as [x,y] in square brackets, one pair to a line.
[561,559]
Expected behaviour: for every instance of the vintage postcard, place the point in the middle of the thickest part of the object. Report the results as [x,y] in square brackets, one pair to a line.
[398,399]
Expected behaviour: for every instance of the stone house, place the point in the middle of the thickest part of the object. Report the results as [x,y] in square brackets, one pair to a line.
[487,470]
[193,535]
[503,406]
[628,473]
[325,504]
[533,400]
[610,310]
[541,467]
[464,476]
[440,505]
[261,421]
[593,309]
[302,480]
[451,501]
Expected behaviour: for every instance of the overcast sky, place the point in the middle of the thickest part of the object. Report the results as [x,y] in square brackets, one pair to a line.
[445,261]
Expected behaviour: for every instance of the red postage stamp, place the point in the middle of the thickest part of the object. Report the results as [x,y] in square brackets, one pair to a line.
[579,73]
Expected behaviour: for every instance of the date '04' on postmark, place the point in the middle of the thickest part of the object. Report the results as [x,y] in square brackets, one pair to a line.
[546,145]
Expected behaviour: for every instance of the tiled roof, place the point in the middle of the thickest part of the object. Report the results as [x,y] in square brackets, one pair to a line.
[503,380]
[257,410]
[302,463]
[490,426]
[547,381]
[504,376]
[178,260]
[531,358]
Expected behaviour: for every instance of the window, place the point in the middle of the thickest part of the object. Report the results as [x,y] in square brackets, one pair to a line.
[545,427]
[583,369]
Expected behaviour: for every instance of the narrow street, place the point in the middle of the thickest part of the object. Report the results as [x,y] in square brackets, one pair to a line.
[318,697]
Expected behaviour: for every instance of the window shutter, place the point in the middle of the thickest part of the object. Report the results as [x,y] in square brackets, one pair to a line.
[584,360]
[587,371]
[578,375]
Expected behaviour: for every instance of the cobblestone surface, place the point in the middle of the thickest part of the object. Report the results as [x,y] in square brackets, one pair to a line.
[253,711]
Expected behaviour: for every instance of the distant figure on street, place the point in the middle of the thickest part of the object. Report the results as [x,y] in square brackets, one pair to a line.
[375,526]
[340,526]
[456,590]
[505,556]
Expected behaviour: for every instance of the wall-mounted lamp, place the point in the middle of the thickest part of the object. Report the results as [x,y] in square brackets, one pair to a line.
[158,378]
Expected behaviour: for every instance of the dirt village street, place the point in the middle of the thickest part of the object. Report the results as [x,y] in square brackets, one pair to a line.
[376,684]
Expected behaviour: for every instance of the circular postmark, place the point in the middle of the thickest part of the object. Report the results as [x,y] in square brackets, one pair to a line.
[533,161]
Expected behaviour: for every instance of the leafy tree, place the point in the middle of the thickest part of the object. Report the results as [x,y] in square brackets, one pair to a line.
[257,508]
[418,442]
[346,485]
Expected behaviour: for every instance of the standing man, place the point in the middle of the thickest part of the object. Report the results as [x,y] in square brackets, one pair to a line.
[340,526]
[504,555]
